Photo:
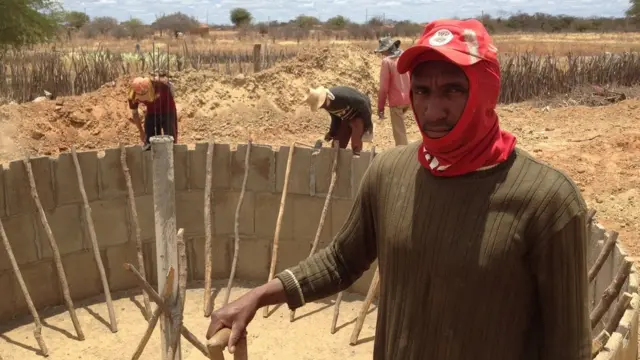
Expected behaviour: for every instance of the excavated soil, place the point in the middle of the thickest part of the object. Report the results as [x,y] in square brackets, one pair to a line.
[597,145]
[273,338]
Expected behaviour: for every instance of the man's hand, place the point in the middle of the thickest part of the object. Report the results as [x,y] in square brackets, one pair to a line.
[143,136]
[235,316]
[380,115]
[328,137]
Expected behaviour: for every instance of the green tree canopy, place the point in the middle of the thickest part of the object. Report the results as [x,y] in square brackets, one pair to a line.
[175,22]
[25,22]
[338,22]
[634,10]
[76,19]
[240,16]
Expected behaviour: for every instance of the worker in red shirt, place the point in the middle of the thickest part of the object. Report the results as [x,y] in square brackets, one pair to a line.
[161,115]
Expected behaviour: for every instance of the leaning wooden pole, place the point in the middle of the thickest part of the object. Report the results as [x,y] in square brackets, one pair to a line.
[323,215]
[373,290]
[236,226]
[610,293]
[62,277]
[276,236]
[134,218]
[94,243]
[208,267]
[164,206]
[178,315]
[37,331]
[336,308]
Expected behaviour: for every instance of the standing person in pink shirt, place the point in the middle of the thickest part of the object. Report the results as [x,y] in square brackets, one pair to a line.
[394,87]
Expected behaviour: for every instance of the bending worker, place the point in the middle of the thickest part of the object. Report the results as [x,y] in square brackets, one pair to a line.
[350,112]
[161,116]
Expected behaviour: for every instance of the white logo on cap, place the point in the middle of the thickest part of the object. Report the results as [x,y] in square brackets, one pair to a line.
[441,37]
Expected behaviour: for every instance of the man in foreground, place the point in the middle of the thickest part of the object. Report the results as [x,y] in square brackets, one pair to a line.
[350,112]
[394,88]
[481,248]
[161,116]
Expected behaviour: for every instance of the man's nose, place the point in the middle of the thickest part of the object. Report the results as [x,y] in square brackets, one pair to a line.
[434,112]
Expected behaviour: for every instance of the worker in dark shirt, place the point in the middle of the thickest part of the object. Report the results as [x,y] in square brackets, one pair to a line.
[350,112]
[161,116]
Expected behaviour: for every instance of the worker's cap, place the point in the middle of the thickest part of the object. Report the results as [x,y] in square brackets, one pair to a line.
[463,42]
[142,87]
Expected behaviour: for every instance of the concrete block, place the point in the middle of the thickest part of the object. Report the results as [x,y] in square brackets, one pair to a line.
[3,204]
[222,252]
[359,167]
[146,220]
[42,168]
[254,259]
[224,205]
[361,286]
[322,173]
[68,228]
[267,206]
[300,165]
[220,176]
[190,212]
[306,218]
[42,282]
[82,274]
[147,167]
[112,182]
[111,222]
[17,190]
[291,253]
[135,164]
[66,180]
[21,233]
[7,302]
[149,255]
[115,258]
[262,168]
[340,210]
[181,166]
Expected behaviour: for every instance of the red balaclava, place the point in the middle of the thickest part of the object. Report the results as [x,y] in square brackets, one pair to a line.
[477,140]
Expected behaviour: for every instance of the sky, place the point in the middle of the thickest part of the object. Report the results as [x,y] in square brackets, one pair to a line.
[217,11]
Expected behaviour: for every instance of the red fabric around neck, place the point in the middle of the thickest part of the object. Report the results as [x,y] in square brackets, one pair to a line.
[477,140]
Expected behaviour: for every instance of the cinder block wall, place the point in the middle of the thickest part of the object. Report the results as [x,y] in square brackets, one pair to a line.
[106,189]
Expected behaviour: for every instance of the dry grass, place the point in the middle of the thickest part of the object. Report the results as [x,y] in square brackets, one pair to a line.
[533,65]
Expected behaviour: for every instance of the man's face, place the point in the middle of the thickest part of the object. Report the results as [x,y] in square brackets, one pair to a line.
[440,92]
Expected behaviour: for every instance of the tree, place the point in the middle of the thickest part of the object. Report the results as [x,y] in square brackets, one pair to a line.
[306,22]
[76,19]
[175,22]
[104,24]
[135,28]
[634,10]
[240,17]
[338,22]
[26,22]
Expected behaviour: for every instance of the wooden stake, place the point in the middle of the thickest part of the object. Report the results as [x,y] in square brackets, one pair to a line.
[94,243]
[327,201]
[219,341]
[276,236]
[373,290]
[604,254]
[37,331]
[134,218]
[164,206]
[236,247]
[153,295]
[208,268]
[153,320]
[182,293]
[62,277]
[336,308]
[598,343]
[611,293]
[618,312]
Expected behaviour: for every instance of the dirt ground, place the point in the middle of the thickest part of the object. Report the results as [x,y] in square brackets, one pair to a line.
[267,339]
[598,146]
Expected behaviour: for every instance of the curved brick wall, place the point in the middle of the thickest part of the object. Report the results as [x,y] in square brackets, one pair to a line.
[105,186]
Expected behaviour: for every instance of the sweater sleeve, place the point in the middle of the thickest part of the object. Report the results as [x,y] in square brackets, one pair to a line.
[560,270]
[342,262]
[384,85]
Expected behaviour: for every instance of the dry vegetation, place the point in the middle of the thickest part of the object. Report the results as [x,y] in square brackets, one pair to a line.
[534,65]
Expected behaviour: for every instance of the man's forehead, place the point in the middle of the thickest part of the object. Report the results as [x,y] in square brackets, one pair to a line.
[437,69]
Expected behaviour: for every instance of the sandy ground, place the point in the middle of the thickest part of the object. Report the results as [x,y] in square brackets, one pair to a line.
[308,337]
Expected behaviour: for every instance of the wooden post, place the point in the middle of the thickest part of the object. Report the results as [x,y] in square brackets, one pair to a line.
[164,208]
[218,343]
[94,242]
[276,236]
[134,219]
[208,268]
[373,290]
[257,63]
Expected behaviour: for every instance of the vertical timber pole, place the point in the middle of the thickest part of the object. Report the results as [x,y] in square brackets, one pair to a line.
[164,209]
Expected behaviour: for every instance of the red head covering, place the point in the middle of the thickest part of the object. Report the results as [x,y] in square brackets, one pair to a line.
[477,140]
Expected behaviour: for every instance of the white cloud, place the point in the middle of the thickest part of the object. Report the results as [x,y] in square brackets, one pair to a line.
[358,10]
